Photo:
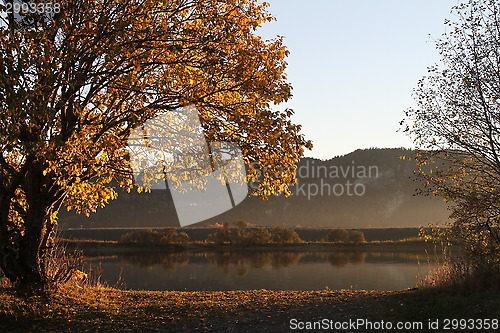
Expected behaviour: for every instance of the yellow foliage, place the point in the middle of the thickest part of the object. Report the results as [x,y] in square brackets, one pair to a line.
[73,88]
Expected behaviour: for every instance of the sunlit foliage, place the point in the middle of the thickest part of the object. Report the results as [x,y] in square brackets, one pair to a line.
[72,88]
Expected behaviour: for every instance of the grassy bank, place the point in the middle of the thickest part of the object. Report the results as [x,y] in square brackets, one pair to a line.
[200,234]
[110,310]
[108,247]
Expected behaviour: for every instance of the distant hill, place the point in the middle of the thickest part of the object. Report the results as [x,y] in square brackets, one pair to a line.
[371,188]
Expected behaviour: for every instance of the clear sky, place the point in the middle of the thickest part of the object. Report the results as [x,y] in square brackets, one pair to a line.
[354,64]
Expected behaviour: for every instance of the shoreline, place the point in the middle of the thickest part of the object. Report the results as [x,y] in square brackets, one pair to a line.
[113,247]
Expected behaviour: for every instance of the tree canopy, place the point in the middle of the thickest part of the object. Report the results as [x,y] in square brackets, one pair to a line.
[72,88]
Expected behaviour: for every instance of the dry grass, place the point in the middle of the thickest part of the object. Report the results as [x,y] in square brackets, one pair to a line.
[464,276]
[72,308]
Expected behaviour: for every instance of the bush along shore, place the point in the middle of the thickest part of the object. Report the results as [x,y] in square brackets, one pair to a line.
[242,236]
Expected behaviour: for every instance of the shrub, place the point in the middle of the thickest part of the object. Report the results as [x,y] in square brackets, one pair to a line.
[282,235]
[465,276]
[337,235]
[172,236]
[140,237]
[344,235]
[255,236]
[356,236]
[149,237]
[221,236]
[64,266]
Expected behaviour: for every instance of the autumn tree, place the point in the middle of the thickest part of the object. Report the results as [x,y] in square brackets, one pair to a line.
[337,235]
[75,83]
[282,235]
[456,126]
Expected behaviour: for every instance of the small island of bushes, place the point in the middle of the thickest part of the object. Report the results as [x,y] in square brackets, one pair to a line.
[238,233]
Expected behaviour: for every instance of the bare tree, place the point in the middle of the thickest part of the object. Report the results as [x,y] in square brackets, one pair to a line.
[456,126]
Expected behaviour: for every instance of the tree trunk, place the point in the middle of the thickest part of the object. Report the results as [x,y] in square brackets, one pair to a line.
[23,249]
[32,251]
[23,258]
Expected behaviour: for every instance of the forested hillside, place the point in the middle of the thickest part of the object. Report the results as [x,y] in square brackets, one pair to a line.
[366,188]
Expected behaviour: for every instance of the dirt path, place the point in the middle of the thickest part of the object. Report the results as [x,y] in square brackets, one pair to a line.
[279,312]
[73,309]
[111,310]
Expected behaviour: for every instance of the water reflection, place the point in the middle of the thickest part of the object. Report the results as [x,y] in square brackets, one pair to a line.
[225,260]
[279,270]
[167,261]
[261,259]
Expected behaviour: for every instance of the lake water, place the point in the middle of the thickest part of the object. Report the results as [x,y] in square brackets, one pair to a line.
[244,270]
